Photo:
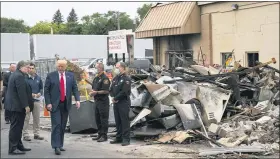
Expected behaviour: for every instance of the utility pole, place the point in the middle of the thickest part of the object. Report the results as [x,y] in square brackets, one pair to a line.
[135,23]
[118,20]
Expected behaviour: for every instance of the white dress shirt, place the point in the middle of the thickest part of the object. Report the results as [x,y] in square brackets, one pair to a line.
[64,77]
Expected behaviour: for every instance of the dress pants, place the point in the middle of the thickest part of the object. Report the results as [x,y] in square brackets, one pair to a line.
[121,112]
[15,133]
[102,116]
[59,120]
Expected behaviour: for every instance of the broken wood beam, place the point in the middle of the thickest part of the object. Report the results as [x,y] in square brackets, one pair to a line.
[209,139]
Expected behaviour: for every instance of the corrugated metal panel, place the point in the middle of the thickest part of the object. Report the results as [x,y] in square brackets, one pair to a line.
[168,19]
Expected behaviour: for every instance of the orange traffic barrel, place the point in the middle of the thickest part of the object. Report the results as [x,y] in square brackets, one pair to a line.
[46,112]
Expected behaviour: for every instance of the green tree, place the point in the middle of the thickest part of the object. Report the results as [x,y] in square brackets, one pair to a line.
[46,28]
[94,24]
[142,11]
[73,27]
[101,24]
[10,25]
[57,17]
[72,17]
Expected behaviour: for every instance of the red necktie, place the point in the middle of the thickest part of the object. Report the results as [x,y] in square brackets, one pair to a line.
[62,89]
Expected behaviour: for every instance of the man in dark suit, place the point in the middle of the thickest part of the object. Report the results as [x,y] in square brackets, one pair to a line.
[17,98]
[58,90]
[1,87]
[6,77]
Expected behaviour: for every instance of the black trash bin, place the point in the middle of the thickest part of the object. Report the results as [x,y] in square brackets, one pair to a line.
[83,119]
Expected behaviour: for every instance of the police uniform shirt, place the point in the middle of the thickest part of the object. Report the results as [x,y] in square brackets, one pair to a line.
[101,82]
[121,87]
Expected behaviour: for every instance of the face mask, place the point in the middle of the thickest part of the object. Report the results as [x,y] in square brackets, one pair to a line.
[117,71]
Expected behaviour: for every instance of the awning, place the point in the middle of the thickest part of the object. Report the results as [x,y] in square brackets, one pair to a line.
[170,19]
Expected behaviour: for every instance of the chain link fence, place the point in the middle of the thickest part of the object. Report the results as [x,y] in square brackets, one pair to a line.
[45,66]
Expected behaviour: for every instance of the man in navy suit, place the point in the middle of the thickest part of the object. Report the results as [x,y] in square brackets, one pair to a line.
[58,90]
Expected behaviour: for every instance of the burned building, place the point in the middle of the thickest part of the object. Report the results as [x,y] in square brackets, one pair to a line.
[210,31]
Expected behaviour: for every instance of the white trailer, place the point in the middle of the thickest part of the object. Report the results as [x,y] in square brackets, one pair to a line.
[79,46]
[14,47]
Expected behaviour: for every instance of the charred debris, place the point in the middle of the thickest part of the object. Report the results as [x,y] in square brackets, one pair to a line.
[234,112]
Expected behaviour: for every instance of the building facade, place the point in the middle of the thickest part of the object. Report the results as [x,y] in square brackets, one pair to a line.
[249,30]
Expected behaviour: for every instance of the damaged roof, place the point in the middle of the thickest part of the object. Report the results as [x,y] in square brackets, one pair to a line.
[170,19]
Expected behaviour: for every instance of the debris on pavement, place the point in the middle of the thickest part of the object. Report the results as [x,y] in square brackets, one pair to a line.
[232,109]
[236,111]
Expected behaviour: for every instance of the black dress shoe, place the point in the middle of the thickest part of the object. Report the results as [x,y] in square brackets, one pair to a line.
[57,151]
[17,152]
[37,137]
[116,141]
[102,139]
[62,149]
[25,149]
[26,138]
[96,138]
[92,135]
[125,143]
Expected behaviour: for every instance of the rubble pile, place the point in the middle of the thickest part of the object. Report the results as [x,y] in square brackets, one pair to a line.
[229,110]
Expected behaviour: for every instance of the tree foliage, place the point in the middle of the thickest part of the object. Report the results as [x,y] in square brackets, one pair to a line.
[72,25]
[57,17]
[46,28]
[142,11]
[94,24]
[10,25]
[101,24]
[72,17]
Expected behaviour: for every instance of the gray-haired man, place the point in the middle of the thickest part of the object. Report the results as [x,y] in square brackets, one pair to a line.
[18,103]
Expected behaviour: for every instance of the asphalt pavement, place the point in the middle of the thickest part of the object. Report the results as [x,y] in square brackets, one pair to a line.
[76,145]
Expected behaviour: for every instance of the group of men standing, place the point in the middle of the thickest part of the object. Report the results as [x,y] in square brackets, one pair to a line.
[23,95]
[21,88]
[119,90]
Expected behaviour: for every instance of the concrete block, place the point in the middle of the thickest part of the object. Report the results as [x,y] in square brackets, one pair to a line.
[238,141]
[170,121]
[216,129]
[263,120]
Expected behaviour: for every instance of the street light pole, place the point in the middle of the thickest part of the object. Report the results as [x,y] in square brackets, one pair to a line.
[118,20]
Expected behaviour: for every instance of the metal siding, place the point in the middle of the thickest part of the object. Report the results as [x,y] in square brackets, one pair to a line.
[15,47]
[166,16]
[169,19]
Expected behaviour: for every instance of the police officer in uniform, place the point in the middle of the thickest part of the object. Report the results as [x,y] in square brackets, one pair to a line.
[120,91]
[100,92]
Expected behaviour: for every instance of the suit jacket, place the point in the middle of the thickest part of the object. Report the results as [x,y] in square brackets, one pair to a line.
[29,94]
[6,77]
[52,89]
[17,96]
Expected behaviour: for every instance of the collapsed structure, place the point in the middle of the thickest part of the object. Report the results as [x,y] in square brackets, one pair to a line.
[240,107]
